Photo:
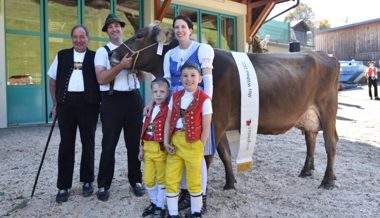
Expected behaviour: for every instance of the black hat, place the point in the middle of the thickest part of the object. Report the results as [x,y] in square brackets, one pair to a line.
[112,19]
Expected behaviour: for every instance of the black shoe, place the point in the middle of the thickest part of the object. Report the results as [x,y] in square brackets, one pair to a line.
[138,190]
[370,98]
[62,196]
[184,199]
[158,213]
[149,210]
[87,189]
[196,215]
[204,204]
[377,98]
[103,194]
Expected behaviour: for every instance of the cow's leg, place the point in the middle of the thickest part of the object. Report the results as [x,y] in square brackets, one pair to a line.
[310,138]
[328,124]
[225,155]
[209,159]
[331,138]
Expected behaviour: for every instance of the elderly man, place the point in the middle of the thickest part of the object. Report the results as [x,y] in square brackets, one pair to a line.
[75,94]
[121,109]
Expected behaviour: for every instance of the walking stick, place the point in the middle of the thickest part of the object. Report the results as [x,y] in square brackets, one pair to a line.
[43,155]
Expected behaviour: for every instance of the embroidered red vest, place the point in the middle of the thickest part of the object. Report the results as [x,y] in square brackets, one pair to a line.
[371,72]
[193,115]
[158,123]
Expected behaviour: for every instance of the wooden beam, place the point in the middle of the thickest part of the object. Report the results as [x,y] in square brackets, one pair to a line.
[255,25]
[159,10]
[256,4]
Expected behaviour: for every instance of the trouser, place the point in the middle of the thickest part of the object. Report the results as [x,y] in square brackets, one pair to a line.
[372,82]
[154,164]
[187,155]
[120,111]
[75,112]
[154,172]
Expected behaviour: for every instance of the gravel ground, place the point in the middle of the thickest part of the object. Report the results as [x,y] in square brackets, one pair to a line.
[271,189]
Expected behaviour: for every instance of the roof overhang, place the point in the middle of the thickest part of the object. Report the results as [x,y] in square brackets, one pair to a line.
[257,12]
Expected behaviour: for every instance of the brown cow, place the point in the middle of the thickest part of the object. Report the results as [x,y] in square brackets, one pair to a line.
[295,90]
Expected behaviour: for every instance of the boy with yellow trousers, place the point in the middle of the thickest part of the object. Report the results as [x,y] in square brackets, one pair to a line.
[152,150]
[187,128]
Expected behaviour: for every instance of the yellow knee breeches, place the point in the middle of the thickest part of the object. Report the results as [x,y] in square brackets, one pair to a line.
[154,164]
[189,155]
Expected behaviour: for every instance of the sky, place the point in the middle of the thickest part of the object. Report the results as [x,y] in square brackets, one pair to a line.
[339,12]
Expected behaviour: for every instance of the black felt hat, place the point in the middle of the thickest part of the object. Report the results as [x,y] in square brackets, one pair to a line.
[112,19]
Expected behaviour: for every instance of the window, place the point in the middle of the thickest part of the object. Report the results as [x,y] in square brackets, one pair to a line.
[228,34]
[218,30]
[23,48]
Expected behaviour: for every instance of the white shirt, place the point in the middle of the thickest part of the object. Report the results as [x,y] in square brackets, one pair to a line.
[186,99]
[205,56]
[76,83]
[124,81]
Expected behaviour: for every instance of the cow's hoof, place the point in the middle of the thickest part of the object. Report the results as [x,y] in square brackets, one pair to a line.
[328,184]
[305,173]
[229,187]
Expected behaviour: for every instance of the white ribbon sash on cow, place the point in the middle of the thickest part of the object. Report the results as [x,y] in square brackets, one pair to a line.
[242,147]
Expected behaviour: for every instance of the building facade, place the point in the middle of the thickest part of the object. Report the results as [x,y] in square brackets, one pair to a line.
[32,31]
[358,41]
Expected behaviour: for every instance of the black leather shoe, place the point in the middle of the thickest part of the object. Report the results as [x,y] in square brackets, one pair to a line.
[184,199]
[138,190]
[103,194]
[62,196]
[158,213]
[87,189]
[149,210]
[377,98]
[196,215]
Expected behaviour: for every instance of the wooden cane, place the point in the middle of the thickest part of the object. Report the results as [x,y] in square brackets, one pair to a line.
[43,155]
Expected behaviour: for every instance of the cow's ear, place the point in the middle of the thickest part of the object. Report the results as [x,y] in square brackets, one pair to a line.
[165,36]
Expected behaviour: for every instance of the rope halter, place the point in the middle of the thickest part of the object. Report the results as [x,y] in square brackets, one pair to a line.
[138,52]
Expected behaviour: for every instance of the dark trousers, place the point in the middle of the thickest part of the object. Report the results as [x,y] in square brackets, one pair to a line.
[75,112]
[372,82]
[122,110]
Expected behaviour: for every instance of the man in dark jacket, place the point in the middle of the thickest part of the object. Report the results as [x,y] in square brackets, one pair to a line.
[75,94]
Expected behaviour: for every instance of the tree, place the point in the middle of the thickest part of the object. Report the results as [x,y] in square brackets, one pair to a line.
[324,24]
[302,12]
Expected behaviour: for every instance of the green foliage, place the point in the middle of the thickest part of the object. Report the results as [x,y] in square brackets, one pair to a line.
[302,12]
[324,24]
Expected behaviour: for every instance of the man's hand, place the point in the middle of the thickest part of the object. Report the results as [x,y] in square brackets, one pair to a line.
[126,61]
[141,154]
[54,111]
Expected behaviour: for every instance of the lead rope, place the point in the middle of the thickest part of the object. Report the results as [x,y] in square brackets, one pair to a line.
[138,52]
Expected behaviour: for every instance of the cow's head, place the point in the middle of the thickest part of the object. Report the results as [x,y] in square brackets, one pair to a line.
[147,47]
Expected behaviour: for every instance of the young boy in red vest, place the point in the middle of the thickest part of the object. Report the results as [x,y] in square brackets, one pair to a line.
[187,128]
[152,150]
